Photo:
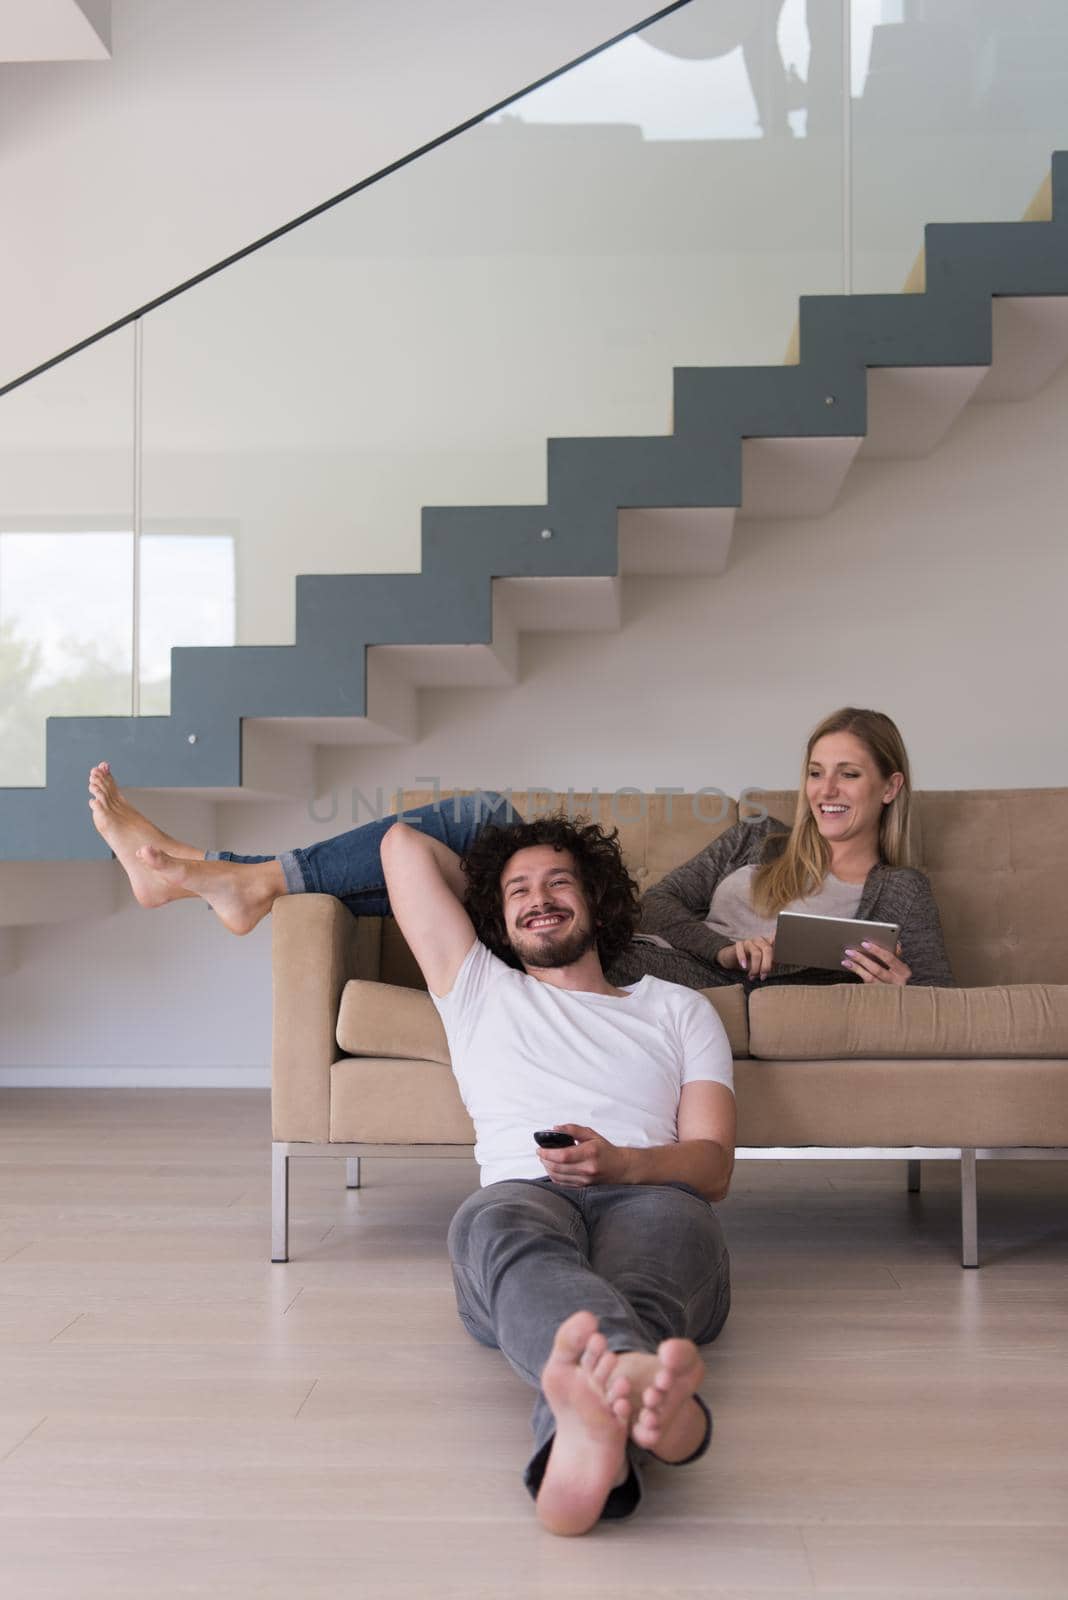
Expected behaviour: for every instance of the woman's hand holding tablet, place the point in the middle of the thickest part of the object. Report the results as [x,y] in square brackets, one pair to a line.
[873,964]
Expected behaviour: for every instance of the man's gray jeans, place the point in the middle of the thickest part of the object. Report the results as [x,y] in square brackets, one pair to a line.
[648,1260]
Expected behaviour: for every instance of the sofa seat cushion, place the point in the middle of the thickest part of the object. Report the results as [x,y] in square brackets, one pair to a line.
[900,1104]
[844,1021]
[375,1100]
[834,1104]
[381,1019]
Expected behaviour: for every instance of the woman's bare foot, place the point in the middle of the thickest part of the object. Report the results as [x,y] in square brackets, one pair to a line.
[239,892]
[666,1418]
[592,1410]
[125,830]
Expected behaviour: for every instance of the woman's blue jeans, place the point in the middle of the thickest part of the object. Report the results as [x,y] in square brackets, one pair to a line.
[349,866]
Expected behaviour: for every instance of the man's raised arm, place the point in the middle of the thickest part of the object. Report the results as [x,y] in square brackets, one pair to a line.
[426,889]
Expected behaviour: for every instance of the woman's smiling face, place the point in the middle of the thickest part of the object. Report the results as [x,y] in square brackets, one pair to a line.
[845,790]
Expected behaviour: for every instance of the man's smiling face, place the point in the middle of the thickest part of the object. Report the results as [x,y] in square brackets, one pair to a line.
[546,917]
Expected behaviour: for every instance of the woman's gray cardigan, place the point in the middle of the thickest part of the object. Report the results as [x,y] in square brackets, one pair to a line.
[676,908]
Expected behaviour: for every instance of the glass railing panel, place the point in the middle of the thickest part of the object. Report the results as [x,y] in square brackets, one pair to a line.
[663,204]
[66,550]
[957,106]
[187,598]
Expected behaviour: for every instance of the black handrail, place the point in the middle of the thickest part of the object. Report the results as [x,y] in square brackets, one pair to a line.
[326,205]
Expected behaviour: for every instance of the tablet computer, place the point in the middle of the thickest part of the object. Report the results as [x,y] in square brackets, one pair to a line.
[806,941]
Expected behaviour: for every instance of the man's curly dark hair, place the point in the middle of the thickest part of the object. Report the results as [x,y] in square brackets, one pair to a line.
[611,893]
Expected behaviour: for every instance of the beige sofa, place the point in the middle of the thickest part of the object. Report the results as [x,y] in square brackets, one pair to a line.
[360,1064]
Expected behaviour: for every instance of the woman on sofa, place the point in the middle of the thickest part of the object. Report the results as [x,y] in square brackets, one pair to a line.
[710,921]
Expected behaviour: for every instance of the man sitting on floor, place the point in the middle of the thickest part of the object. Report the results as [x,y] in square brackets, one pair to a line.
[596,1268]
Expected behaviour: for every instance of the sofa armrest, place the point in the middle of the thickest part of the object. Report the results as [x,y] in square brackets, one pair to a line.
[317,945]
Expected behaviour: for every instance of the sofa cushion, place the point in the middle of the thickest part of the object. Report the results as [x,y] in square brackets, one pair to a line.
[782,1103]
[398,965]
[377,1101]
[729,1004]
[381,1019]
[897,1104]
[843,1021]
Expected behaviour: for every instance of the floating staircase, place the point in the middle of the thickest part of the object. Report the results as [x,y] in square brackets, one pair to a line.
[985,317]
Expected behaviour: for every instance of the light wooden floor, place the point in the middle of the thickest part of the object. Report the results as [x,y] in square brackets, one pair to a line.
[180,1418]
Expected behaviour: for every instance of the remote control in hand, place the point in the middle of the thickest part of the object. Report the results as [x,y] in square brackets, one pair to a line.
[550,1139]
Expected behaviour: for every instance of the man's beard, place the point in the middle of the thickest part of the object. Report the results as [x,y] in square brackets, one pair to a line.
[536,950]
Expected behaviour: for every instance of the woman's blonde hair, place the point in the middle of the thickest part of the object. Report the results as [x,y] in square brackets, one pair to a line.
[801,866]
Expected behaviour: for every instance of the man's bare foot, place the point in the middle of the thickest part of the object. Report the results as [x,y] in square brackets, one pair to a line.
[125,830]
[589,1452]
[666,1418]
[239,892]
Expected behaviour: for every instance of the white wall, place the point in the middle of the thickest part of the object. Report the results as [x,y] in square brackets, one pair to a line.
[217,120]
[935,590]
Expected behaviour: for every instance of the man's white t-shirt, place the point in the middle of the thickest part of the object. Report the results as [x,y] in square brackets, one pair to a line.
[527,1055]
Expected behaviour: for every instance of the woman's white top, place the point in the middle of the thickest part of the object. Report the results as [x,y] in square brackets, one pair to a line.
[731,912]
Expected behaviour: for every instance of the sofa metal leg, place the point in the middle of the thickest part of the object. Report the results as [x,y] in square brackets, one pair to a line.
[279,1201]
[352,1172]
[969,1210]
[914,1177]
